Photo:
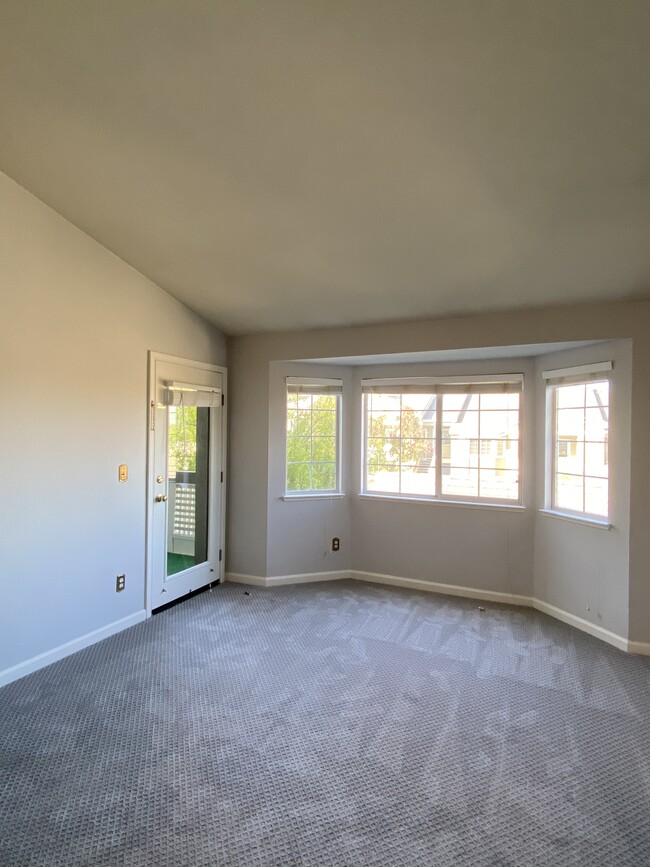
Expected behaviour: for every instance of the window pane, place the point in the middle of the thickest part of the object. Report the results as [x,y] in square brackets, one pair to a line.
[324,401]
[463,453]
[496,454]
[596,425]
[324,449]
[383,424]
[418,451]
[596,460]
[598,394]
[298,477]
[460,482]
[323,477]
[570,395]
[499,401]
[495,424]
[418,481]
[499,484]
[383,402]
[382,450]
[596,497]
[188,447]
[460,424]
[458,402]
[423,403]
[412,424]
[569,457]
[311,450]
[569,492]
[383,478]
[323,423]
[298,449]
[298,423]
[407,441]
[570,424]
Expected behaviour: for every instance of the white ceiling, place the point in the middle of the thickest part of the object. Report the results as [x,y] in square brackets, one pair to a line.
[279,165]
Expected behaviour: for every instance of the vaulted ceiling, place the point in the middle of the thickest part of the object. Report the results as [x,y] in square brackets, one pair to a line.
[282,164]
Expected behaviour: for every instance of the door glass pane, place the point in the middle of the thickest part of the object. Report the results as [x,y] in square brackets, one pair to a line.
[188,429]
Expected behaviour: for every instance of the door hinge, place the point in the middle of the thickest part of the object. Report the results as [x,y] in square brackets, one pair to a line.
[222,476]
[220,554]
[223,399]
[153,415]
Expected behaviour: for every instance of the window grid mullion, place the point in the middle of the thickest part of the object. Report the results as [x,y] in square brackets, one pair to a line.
[584,456]
[438,437]
[438,446]
[480,450]
[554,447]
[311,442]
[399,439]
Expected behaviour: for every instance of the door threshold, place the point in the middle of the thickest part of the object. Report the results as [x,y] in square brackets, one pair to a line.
[187,596]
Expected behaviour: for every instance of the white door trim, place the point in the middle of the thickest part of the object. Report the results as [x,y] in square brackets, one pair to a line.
[155,357]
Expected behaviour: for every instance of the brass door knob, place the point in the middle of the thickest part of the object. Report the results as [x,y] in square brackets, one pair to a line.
[161,498]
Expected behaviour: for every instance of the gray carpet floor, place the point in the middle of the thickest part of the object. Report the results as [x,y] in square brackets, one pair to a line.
[331,724]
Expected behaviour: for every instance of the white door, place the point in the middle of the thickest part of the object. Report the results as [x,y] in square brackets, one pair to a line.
[186,507]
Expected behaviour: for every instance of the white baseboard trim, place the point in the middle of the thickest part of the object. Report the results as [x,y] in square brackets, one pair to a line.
[277,580]
[306,578]
[640,647]
[22,669]
[445,589]
[582,624]
[239,578]
[451,590]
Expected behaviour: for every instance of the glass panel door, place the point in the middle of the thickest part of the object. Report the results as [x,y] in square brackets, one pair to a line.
[188,474]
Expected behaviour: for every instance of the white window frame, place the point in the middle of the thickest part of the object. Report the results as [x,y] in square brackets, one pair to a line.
[585,374]
[441,385]
[315,386]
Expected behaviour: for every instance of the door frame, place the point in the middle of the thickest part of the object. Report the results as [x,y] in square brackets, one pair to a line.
[153,358]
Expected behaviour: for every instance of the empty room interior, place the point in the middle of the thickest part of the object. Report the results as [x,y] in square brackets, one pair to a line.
[325,347]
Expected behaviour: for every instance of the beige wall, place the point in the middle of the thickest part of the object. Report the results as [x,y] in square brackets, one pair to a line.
[581,568]
[486,548]
[300,532]
[250,360]
[75,327]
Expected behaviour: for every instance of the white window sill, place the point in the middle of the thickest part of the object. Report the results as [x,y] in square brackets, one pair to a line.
[313,495]
[577,519]
[465,504]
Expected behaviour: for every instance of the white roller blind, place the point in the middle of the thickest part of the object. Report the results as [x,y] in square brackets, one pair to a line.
[510,383]
[582,373]
[184,394]
[307,385]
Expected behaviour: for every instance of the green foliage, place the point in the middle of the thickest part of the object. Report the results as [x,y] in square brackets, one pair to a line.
[323,423]
[323,477]
[298,423]
[298,477]
[311,442]
[324,449]
[385,447]
[415,445]
[379,443]
[324,401]
[182,439]
[298,449]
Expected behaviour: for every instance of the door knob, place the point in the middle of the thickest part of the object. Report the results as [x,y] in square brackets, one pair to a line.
[161,498]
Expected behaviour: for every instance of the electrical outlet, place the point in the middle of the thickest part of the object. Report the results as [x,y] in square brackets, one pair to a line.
[120,583]
[336,543]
